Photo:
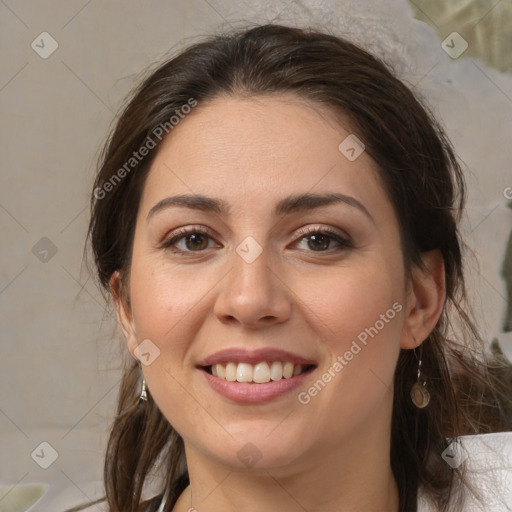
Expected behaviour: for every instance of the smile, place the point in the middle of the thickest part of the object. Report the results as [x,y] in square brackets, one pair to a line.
[260,373]
[255,376]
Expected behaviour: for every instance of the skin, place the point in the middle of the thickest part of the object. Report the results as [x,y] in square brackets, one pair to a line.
[331,454]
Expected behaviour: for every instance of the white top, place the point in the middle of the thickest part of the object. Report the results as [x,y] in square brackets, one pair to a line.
[488,458]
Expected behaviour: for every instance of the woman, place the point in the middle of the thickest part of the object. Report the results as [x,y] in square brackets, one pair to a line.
[276,218]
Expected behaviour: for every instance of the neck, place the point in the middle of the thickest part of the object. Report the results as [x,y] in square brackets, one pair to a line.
[356,477]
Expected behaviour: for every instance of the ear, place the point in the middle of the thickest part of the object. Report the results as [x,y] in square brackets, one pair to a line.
[123,310]
[426,298]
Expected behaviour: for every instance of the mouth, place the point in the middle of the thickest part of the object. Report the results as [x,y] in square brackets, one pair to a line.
[257,376]
[263,372]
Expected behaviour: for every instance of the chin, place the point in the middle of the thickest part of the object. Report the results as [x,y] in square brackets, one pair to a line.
[257,451]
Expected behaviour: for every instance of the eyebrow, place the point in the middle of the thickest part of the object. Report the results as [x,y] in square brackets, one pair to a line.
[286,206]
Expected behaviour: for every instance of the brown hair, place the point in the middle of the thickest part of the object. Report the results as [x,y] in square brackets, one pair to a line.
[424,182]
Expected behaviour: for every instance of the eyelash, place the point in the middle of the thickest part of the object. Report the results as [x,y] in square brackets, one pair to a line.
[344,243]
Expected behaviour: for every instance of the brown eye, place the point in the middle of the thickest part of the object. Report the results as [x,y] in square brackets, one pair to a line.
[196,241]
[318,242]
[188,241]
[321,240]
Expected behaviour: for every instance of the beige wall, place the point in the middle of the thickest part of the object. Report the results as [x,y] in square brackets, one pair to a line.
[60,350]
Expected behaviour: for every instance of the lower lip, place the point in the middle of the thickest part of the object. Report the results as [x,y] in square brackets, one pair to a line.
[253,393]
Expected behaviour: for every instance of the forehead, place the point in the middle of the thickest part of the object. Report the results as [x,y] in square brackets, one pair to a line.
[257,149]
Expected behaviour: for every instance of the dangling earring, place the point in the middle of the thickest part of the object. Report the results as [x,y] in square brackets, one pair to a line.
[143,393]
[419,394]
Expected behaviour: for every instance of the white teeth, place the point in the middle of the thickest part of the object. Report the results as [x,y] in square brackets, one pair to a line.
[276,371]
[244,372]
[260,373]
[287,370]
[230,372]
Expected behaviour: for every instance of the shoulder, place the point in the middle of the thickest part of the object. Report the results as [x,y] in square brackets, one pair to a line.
[488,461]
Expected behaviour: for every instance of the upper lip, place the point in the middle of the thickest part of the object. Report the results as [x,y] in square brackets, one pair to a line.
[240,355]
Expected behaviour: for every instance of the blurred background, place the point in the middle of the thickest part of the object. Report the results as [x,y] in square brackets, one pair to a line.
[66,67]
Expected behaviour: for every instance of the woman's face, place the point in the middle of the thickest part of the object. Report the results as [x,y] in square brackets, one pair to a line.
[238,270]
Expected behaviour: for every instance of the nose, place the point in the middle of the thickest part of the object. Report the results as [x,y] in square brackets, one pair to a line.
[252,294]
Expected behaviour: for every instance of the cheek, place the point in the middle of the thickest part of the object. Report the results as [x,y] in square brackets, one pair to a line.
[358,313]
[168,307]
[346,302]
[163,297]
